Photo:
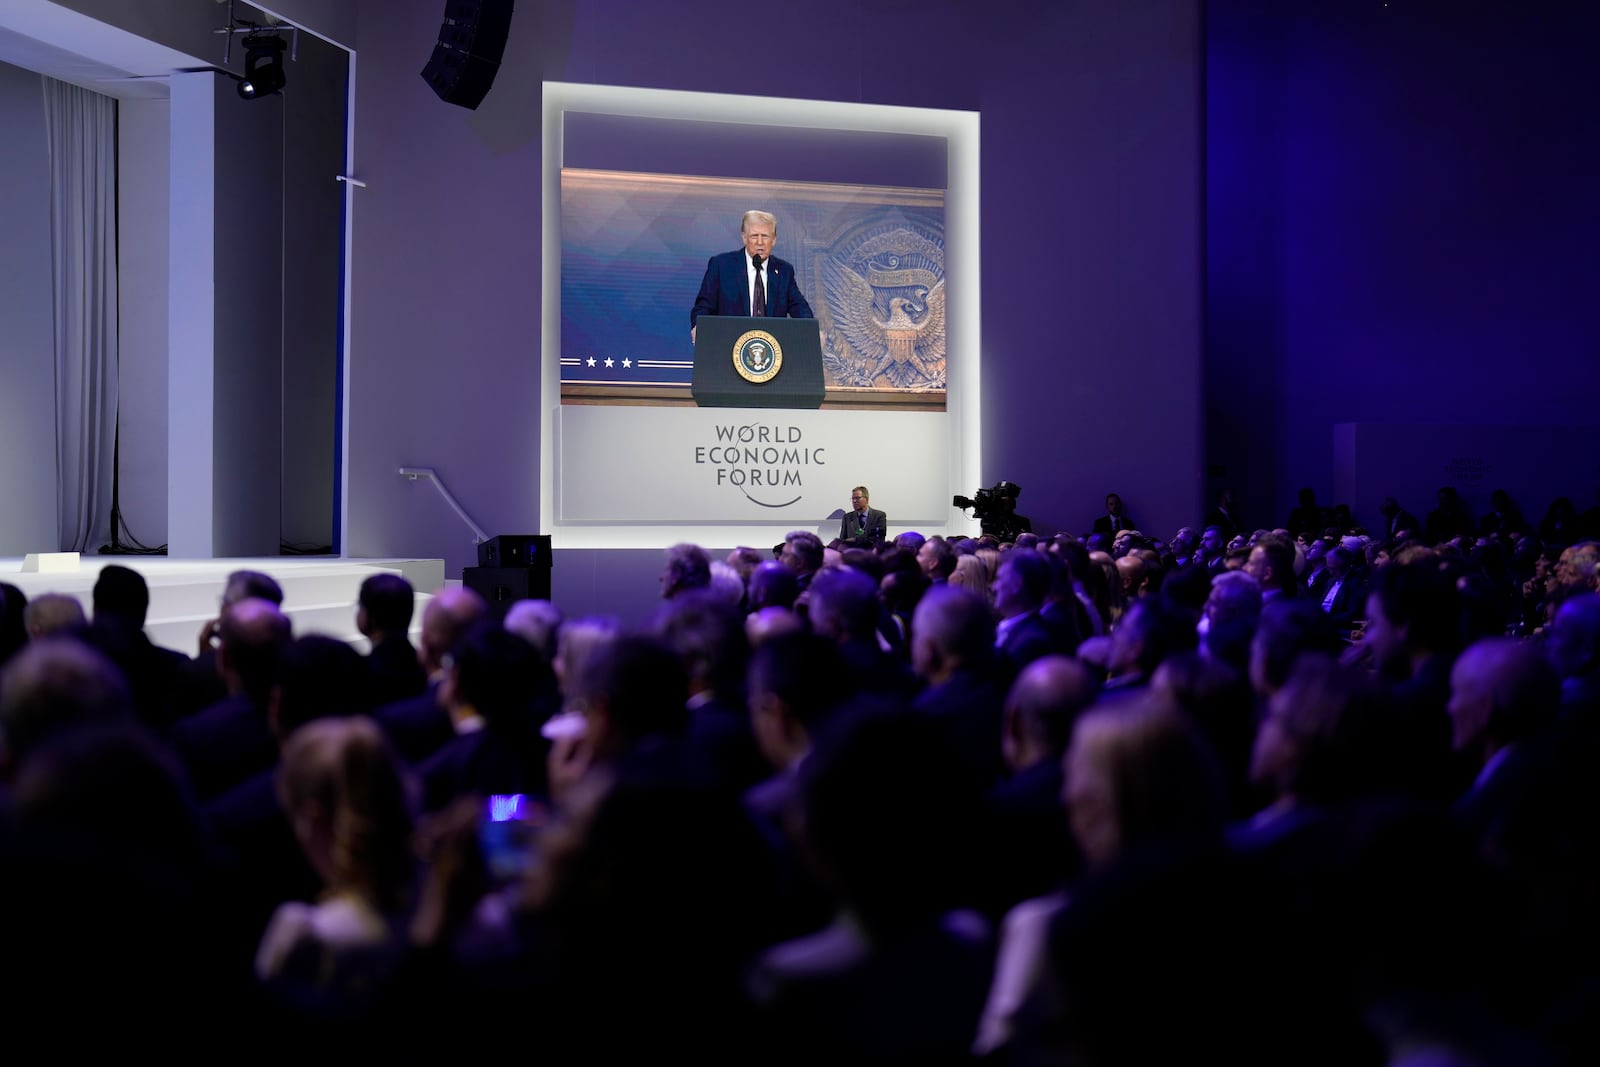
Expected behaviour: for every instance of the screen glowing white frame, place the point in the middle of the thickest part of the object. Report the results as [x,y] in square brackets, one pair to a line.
[963,397]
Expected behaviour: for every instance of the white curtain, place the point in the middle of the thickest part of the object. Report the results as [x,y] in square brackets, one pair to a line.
[81,127]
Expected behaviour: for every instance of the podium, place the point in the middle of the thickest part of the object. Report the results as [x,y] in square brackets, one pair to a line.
[742,362]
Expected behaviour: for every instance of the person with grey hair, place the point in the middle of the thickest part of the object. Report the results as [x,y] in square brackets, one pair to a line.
[199,683]
[802,553]
[726,584]
[537,622]
[52,613]
[52,685]
[1020,590]
[1573,645]
[420,725]
[863,526]
[1344,595]
[750,281]
[231,740]
[239,585]
[687,567]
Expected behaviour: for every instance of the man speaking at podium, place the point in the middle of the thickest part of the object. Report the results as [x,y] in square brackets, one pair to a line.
[751,281]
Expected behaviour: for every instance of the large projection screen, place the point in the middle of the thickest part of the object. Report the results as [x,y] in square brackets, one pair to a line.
[640,187]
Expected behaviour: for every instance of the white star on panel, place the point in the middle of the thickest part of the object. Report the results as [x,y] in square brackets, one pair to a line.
[627,363]
[610,362]
[591,361]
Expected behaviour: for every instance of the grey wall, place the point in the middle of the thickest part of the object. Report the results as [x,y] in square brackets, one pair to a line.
[248,387]
[142,220]
[313,148]
[27,356]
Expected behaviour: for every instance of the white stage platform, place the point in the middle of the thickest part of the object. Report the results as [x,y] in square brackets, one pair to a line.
[319,592]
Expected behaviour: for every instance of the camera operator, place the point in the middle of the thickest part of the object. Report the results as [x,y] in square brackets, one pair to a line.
[996,511]
[1007,522]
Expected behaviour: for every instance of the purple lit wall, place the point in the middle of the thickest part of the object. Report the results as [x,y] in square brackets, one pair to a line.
[1090,214]
[1401,228]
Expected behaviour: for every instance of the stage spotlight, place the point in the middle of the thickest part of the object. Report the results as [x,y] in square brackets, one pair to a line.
[263,65]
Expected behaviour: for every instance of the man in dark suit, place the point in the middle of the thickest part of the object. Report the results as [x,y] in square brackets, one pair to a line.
[121,600]
[421,725]
[231,740]
[1225,516]
[383,615]
[1115,519]
[1397,520]
[733,279]
[1022,636]
[1344,595]
[953,651]
[862,526]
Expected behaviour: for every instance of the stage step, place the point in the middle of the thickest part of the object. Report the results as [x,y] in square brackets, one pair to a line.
[319,595]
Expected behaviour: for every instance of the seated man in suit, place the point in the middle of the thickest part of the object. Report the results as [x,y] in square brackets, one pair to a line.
[1115,519]
[862,526]
[748,281]
[1397,520]
[1344,595]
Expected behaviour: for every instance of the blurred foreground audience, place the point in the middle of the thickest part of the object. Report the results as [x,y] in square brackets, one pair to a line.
[1316,795]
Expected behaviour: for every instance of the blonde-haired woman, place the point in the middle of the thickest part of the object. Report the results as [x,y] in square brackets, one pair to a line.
[1137,774]
[351,807]
[970,573]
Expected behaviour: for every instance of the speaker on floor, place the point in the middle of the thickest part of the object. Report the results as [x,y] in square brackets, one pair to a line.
[515,550]
[467,57]
[500,587]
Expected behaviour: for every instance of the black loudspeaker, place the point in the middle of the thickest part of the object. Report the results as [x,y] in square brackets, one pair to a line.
[515,550]
[467,57]
[503,586]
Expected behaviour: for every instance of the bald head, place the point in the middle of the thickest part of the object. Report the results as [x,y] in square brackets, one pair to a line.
[767,623]
[50,613]
[1501,691]
[1234,595]
[953,630]
[446,619]
[1041,708]
[1573,644]
[1131,569]
[253,633]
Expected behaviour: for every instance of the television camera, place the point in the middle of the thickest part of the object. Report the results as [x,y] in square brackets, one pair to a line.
[995,509]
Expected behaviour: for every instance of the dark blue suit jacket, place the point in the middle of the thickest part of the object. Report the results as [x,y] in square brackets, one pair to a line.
[725,290]
[871,535]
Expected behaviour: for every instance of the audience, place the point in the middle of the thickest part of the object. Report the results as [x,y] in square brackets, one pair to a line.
[383,616]
[1236,796]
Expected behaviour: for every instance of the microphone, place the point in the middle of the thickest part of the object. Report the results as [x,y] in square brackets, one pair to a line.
[757,260]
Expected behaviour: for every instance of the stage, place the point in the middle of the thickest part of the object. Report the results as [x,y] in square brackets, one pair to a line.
[319,592]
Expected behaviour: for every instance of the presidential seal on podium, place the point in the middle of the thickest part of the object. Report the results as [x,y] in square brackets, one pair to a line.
[757,356]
